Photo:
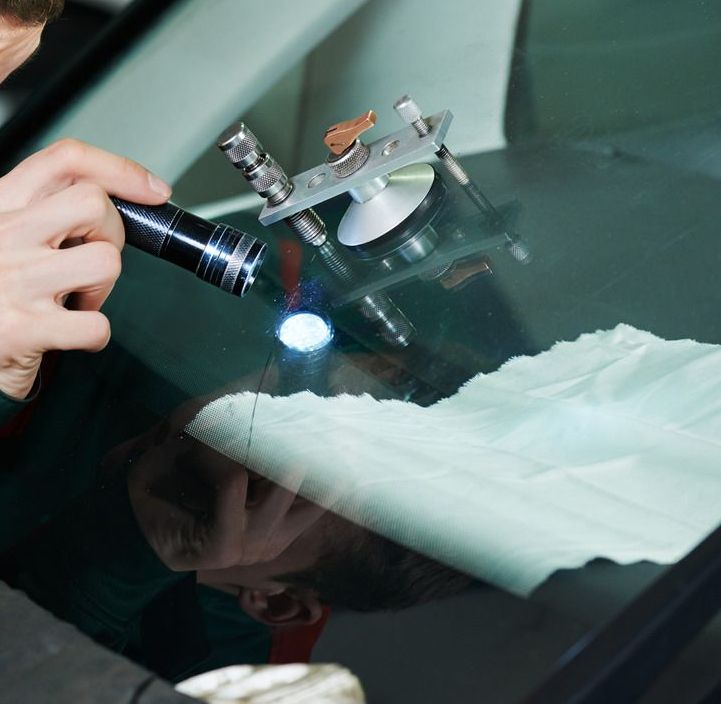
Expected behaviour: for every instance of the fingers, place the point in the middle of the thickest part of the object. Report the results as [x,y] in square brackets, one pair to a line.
[277,520]
[82,211]
[197,511]
[292,514]
[301,517]
[247,530]
[89,271]
[48,274]
[57,196]
[273,505]
[70,162]
[74,330]
[228,535]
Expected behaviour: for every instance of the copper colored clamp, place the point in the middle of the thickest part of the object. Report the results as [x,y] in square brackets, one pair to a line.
[340,137]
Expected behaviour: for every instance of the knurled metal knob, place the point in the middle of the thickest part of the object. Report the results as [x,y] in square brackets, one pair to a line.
[350,160]
[411,114]
[267,178]
[240,146]
[407,109]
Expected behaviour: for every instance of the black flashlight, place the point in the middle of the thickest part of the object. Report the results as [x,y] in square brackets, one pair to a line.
[219,254]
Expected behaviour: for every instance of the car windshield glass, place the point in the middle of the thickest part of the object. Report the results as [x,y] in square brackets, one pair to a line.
[474,378]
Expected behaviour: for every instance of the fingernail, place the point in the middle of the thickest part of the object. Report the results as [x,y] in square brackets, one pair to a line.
[159,186]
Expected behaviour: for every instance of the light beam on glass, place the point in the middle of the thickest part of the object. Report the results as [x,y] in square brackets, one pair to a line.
[305,332]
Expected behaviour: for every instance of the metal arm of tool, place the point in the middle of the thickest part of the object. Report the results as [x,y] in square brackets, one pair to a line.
[411,114]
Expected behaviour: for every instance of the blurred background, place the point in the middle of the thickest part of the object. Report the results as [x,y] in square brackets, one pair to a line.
[63,40]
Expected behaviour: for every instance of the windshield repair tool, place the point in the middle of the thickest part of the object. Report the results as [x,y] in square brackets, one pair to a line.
[411,114]
[243,150]
[396,196]
[218,254]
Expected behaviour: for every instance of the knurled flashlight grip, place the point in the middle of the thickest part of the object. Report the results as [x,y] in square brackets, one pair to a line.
[219,254]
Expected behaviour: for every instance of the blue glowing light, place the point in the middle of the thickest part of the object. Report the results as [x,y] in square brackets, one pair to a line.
[305,332]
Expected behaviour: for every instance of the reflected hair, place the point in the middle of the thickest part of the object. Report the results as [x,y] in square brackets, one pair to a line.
[31,11]
[376,574]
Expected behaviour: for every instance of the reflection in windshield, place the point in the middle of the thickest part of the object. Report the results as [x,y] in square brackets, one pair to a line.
[546,464]
[437,431]
[186,560]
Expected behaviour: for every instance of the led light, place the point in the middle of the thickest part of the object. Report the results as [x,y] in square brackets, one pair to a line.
[305,332]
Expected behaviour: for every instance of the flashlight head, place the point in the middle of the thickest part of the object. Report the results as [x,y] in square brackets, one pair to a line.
[235,259]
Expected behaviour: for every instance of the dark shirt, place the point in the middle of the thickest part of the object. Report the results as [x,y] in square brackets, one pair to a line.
[74,543]
[92,566]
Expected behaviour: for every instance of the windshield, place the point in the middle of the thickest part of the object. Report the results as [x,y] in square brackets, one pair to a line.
[463,422]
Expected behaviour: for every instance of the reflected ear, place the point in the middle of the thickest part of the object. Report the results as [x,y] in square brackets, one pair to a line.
[280,607]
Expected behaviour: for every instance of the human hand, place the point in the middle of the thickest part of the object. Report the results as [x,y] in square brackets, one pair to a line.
[61,235]
[200,510]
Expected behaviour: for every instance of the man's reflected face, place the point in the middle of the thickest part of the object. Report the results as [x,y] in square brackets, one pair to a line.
[17,43]
[202,511]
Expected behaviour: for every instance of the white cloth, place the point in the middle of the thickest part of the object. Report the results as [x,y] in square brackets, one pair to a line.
[609,446]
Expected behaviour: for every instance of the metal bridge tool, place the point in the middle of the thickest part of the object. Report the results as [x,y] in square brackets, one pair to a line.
[386,183]
[242,148]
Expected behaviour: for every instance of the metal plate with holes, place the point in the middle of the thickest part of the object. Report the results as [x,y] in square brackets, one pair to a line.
[393,152]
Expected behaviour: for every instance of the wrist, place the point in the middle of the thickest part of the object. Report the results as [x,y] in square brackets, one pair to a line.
[15,391]
[19,389]
[17,381]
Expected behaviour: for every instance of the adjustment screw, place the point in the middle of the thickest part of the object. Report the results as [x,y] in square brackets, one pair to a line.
[240,146]
[411,114]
